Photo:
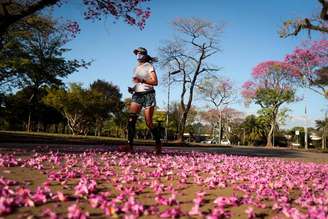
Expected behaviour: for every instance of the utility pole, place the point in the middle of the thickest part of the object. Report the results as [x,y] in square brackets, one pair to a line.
[323,140]
[323,143]
[220,126]
[306,131]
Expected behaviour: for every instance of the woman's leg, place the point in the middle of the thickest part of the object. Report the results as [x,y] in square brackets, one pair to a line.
[149,111]
[135,109]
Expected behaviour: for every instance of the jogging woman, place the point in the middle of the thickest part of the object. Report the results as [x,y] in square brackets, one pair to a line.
[143,96]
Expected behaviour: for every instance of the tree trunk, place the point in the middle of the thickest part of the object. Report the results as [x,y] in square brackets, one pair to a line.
[182,121]
[272,125]
[38,127]
[63,131]
[269,137]
[72,126]
[191,93]
[183,125]
[220,128]
[99,131]
[272,128]
[44,127]
[323,140]
[28,128]
[213,130]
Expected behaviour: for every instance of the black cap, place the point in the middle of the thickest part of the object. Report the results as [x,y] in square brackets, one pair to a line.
[141,50]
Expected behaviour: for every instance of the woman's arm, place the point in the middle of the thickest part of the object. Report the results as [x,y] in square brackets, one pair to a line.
[152,80]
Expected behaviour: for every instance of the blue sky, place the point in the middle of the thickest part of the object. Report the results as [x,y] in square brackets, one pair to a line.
[250,37]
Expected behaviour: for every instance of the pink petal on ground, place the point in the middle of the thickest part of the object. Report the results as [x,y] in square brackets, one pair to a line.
[47,213]
[250,213]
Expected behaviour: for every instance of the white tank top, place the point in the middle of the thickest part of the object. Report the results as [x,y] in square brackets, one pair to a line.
[143,72]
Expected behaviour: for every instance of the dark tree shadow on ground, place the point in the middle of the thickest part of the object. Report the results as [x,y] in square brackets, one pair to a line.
[23,144]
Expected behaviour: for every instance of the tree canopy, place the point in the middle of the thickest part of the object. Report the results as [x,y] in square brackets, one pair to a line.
[273,84]
[131,11]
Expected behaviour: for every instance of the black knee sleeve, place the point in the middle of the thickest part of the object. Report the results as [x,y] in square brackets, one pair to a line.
[156,134]
[132,120]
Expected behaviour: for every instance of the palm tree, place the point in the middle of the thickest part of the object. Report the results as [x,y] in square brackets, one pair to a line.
[255,130]
[322,126]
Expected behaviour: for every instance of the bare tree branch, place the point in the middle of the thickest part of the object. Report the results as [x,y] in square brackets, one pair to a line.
[317,23]
[9,18]
[198,41]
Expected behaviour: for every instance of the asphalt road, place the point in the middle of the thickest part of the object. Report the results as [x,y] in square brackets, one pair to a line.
[284,153]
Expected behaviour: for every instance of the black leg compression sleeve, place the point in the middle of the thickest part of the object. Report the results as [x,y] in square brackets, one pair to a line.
[156,134]
[132,126]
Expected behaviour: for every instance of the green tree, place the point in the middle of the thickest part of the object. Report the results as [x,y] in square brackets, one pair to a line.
[253,130]
[121,118]
[175,114]
[322,126]
[159,119]
[14,57]
[16,108]
[108,104]
[86,109]
[38,59]
[34,55]
[2,110]
[75,104]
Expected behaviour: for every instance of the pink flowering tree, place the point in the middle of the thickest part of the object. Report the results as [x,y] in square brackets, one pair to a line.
[131,11]
[311,60]
[219,92]
[230,120]
[211,116]
[273,84]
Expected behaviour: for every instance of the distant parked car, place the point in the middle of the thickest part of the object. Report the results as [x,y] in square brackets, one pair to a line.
[212,141]
[295,144]
[225,142]
[206,142]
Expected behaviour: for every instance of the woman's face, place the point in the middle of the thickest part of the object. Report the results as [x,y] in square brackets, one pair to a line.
[141,57]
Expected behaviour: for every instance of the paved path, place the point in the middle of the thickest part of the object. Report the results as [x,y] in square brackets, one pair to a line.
[242,151]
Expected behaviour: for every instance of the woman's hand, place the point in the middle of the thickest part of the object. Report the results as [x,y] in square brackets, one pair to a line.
[136,80]
[131,90]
